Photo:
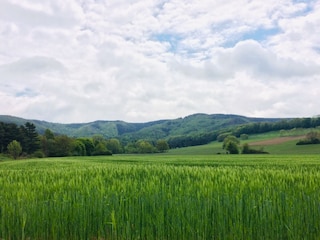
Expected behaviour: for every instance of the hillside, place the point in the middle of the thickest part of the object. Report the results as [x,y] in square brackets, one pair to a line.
[272,142]
[191,125]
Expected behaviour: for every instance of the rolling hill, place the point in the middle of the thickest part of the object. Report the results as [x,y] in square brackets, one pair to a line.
[191,125]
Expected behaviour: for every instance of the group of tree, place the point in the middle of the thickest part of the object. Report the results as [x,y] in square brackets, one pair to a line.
[232,145]
[192,140]
[143,146]
[62,145]
[25,141]
[26,135]
[311,138]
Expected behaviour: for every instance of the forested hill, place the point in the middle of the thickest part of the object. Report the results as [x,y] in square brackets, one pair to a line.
[195,124]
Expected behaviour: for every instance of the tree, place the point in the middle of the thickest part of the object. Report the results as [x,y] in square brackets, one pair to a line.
[96,139]
[100,146]
[2,134]
[79,149]
[144,147]
[245,148]
[31,138]
[88,143]
[232,148]
[131,148]
[162,145]
[47,142]
[101,149]
[10,132]
[231,144]
[114,145]
[140,146]
[244,136]
[61,146]
[14,149]
[48,134]
[222,136]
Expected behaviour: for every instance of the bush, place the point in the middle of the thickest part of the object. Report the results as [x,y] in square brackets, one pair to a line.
[222,136]
[14,149]
[247,150]
[38,154]
[102,153]
[244,136]
[231,144]
[311,138]
[308,141]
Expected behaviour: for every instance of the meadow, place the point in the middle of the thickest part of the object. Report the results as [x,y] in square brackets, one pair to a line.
[162,196]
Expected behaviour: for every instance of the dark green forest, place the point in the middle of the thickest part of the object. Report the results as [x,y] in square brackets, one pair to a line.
[49,144]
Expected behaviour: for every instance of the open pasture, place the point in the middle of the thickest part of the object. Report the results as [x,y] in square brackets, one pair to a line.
[161,197]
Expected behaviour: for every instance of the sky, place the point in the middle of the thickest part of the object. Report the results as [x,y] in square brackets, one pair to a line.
[134,60]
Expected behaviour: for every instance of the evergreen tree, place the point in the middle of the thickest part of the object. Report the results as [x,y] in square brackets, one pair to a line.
[31,137]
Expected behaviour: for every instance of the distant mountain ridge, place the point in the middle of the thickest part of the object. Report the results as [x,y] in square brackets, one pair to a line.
[193,124]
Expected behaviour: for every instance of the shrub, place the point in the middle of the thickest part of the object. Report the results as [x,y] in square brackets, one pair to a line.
[311,138]
[230,144]
[38,154]
[14,149]
[244,136]
[247,150]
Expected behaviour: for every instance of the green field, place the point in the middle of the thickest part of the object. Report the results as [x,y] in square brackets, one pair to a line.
[161,197]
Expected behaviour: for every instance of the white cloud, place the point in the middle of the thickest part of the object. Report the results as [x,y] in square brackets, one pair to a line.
[76,61]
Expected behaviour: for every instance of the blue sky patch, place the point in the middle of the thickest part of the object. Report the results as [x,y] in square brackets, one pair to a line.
[27,92]
[258,35]
[172,39]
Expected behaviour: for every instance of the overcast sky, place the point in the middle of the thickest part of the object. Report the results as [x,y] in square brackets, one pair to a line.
[137,60]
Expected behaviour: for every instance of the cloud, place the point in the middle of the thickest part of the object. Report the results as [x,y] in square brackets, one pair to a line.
[76,61]
[32,65]
[250,57]
[29,16]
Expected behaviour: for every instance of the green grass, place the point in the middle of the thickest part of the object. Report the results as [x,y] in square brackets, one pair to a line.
[3,157]
[290,147]
[207,149]
[161,197]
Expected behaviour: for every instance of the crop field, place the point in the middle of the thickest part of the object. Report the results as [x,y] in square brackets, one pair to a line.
[161,197]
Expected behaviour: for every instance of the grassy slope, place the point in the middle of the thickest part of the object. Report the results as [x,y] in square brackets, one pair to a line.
[289,147]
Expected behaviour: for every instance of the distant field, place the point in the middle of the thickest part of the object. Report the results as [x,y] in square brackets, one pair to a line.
[161,196]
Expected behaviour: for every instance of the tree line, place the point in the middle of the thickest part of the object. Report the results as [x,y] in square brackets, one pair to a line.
[263,127]
[49,144]
[23,141]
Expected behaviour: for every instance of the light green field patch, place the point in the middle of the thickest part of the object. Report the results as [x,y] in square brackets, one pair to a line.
[161,197]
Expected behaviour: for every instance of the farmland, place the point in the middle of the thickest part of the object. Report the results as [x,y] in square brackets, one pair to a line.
[161,197]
